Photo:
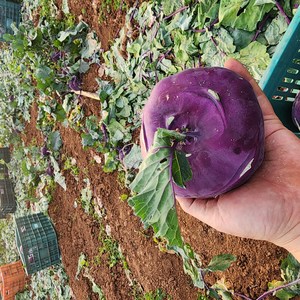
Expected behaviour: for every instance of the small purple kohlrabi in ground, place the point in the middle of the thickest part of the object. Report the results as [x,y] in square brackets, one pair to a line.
[74,83]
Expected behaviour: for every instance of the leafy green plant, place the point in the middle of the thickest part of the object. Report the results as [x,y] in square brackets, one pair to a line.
[83,267]
[8,242]
[86,197]
[93,135]
[108,7]
[70,164]
[110,247]
[158,294]
[289,287]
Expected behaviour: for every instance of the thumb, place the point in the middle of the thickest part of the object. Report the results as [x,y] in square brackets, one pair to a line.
[205,210]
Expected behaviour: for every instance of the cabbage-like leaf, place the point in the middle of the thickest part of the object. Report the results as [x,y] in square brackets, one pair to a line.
[155,199]
[221,262]
[154,202]
[181,170]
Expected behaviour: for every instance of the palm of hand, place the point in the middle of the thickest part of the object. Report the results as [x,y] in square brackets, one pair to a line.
[266,207]
[263,207]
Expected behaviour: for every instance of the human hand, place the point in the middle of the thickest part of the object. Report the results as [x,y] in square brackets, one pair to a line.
[267,207]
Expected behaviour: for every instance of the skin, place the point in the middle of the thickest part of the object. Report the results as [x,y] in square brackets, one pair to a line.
[267,207]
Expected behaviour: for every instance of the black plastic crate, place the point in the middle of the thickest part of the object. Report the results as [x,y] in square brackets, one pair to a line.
[37,242]
[8,202]
[5,154]
[4,159]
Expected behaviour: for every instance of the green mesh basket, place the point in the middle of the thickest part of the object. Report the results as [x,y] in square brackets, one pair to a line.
[281,81]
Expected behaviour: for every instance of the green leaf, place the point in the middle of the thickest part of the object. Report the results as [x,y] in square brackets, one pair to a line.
[58,177]
[169,6]
[63,35]
[60,113]
[281,294]
[207,10]
[225,41]
[43,73]
[230,13]
[54,140]
[255,57]
[229,9]
[242,38]
[154,202]
[165,137]
[184,46]
[97,290]
[110,162]
[135,49]
[87,140]
[133,159]
[261,2]
[290,268]
[275,30]
[211,55]
[181,170]
[221,262]
[83,67]
[220,290]
[65,7]
[93,128]
[285,295]
[191,264]
[213,294]
[86,197]
[116,131]
[92,46]
[82,262]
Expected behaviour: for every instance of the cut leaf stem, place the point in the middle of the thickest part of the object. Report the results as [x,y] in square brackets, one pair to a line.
[282,12]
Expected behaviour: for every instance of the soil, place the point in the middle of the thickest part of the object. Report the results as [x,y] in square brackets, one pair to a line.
[148,267]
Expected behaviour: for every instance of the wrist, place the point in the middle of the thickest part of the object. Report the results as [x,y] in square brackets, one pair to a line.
[292,246]
[295,252]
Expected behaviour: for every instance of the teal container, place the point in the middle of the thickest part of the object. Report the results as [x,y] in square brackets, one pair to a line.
[36,242]
[10,12]
[281,81]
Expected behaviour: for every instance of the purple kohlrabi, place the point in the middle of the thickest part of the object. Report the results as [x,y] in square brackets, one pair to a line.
[219,112]
[56,56]
[45,151]
[50,170]
[74,83]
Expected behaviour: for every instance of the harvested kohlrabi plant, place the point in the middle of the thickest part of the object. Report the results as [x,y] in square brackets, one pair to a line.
[202,134]
[218,114]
